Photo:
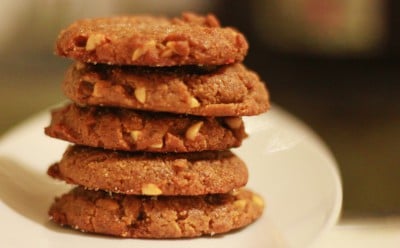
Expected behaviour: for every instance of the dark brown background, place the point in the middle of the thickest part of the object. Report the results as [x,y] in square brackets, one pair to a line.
[352,101]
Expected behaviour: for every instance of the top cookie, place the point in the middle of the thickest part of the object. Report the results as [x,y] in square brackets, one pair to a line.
[152,41]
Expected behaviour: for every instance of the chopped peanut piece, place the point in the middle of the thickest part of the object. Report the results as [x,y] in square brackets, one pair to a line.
[97,91]
[139,52]
[167,53]
[140,94]
[151,189]
[157,145]
[94,40]
[193,130]
[233,122]
[258,200]
[235,192]
[135,134]
[193,102]
[240,204]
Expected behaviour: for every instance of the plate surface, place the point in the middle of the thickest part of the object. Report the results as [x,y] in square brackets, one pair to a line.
[288,165]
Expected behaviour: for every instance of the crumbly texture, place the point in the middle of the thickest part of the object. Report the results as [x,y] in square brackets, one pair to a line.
[152,41]
[155,217]
[129,130]
[207,91]
[151,174]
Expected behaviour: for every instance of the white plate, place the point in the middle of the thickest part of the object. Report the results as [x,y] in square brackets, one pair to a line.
[288,165]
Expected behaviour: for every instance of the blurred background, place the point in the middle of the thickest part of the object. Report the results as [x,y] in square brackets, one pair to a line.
[335,64]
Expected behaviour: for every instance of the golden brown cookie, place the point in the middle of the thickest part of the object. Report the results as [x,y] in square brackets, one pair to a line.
[129,130]
[221,91]
[155,217]
[152,41]
[197,173]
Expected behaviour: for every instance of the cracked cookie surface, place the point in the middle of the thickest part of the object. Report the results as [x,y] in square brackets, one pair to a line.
[129,130]
[155,217]
[218,91]
[152,41]
[197,173]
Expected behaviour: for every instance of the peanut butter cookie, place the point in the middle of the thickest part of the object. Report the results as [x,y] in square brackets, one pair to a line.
[155,217]
[220,91]
[152,41]
[129,130]
[137,173]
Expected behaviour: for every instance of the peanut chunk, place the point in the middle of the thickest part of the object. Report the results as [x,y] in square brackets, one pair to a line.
[258,200]
[97,91]
[233,122]
[176,47]
[94,40]
[193,130]
[151,189]
[180,163]
[139,52]
[176,227]
[167,53]
[135,134]
[140,94]
[240,204]
[193,102]
[157,145]
[235,192]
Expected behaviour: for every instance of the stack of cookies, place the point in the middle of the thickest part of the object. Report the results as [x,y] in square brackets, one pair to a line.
[156,106]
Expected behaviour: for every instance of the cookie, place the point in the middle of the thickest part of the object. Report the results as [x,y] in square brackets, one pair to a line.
[221,91]
[155,217]
[129,130]
[137,173]
[152,41]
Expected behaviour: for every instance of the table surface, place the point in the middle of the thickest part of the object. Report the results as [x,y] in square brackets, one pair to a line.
[366,233]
